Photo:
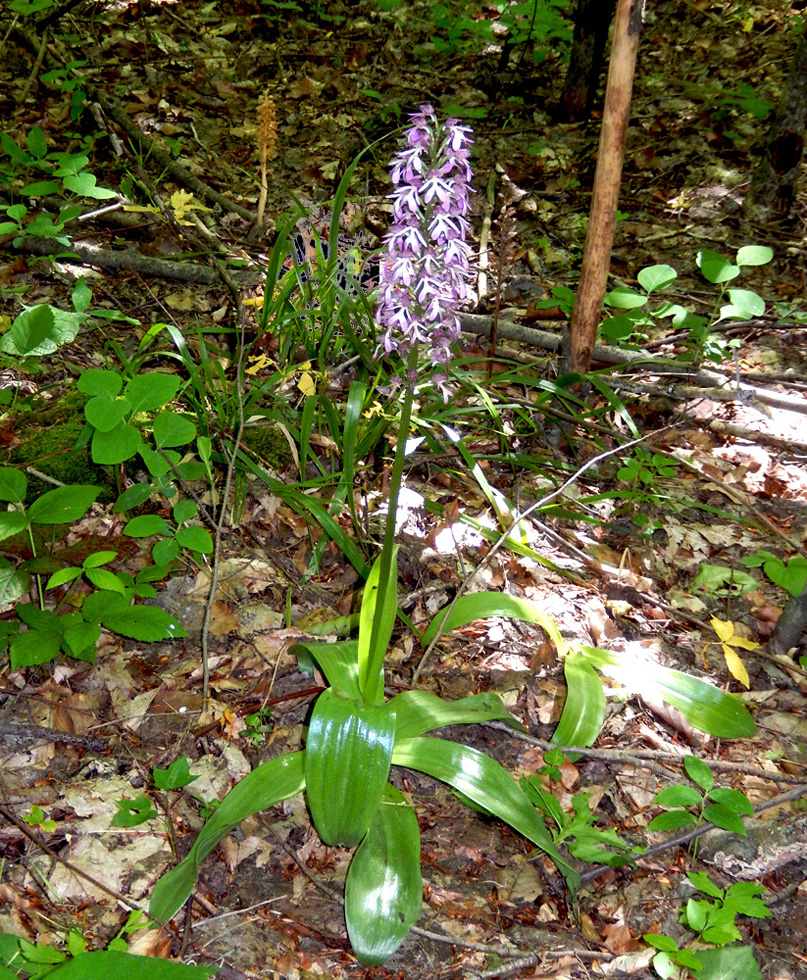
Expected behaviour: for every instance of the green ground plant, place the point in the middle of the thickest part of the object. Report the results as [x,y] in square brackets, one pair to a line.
[713,920]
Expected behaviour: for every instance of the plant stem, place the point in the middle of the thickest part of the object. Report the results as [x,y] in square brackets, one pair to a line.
[384,582]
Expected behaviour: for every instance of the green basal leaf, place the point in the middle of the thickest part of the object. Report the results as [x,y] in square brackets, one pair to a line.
[271,783]
[148,392]
[384,888]
[172,429]
[105,964]
[348,755]
[115,446]
[337,661]
[419,712]
[704,706]
[485,782]
[481,605]
[371,655]
[584,710]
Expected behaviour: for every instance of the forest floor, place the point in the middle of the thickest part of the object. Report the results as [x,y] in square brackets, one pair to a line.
[729,482]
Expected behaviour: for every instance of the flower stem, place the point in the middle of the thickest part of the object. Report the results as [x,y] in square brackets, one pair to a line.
[385,579]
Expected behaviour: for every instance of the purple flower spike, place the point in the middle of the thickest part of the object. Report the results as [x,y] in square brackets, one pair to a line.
[425,272]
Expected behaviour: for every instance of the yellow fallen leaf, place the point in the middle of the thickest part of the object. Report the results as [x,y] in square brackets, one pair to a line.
[307,385]
[736,666]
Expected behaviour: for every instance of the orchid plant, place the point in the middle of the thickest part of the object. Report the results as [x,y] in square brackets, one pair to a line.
[355,736]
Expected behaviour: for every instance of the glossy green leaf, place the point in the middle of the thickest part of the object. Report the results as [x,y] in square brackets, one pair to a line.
[384,888]
[11,523]
[704,706]
[584,710]
[481,605]
[104,413]
[347,762]
[145,623]
[754,255]
[337,661]
[418,712]
[484,781]
[105,964]
[371,655]
[150,391]
[271,783]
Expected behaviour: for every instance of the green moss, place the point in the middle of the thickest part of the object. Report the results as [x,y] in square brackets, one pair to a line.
[268,442]
[50,451]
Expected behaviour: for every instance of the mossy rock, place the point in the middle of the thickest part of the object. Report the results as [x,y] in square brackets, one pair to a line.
[52,451]
[268,443]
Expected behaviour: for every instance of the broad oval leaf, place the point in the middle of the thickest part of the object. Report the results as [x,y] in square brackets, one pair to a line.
[115,446]
[584,710]
[384,888]
[481,605]
[704,706]
[754,255]
[487,784]
[62,505]
[148,392]
[103,964]
[13,484]
[721,816]
[173,429]
[145,623]
[733,799]
[655,277]
[104,413]
[271,783]
[679,796]
[348,755]
[672,820]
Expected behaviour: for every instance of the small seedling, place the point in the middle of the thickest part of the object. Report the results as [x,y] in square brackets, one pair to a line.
[723,811]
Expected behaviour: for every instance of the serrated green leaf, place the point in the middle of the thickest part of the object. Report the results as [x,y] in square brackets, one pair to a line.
[384,888]
[33,647]
[348,755]
[584,710]
[102,578]
[704,883]
[271,783]
[61,577]
[727,963]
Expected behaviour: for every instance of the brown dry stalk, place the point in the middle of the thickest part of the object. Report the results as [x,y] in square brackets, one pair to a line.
[266,135]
